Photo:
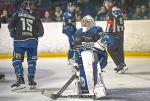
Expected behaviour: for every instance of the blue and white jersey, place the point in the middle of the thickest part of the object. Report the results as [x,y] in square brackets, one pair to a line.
[69,19]
[69,26]
[91,35]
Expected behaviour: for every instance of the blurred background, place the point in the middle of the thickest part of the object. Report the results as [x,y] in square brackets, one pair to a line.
[136,15]
[52,10]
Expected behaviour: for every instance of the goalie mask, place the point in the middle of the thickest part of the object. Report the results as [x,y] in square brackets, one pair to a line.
[87,22]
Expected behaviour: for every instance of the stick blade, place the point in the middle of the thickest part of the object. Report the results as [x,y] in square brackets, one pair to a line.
[49,94]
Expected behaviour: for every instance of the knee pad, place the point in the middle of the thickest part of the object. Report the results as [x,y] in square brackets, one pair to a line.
[17,64]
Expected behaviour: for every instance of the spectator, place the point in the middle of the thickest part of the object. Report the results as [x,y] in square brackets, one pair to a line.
[149,10]
[137,13]
[101,14]
[124,7]
[47,16]
[78,14]
[144,12]
[85,7]
[0,22]
[130,9]
[58,15]
[35,9]
[4,17]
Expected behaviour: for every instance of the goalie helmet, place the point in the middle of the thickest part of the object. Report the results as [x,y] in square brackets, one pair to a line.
[87,21]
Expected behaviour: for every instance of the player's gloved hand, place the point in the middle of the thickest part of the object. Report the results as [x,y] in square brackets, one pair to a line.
[104,41]
[107,40]
[74,65]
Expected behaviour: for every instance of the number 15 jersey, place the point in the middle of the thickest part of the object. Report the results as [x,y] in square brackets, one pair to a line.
[26,26]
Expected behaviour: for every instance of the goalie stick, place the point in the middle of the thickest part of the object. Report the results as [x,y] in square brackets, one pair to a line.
[77,96]
[58,94]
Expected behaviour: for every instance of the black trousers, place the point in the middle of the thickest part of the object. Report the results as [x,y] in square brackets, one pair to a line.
[117,50]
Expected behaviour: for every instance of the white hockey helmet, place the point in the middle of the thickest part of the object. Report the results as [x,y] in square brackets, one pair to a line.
[87,21]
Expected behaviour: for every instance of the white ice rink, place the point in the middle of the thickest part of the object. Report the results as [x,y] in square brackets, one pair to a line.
[52,73]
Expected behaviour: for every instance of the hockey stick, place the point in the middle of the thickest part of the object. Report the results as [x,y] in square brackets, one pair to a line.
[77,96]
[58,94]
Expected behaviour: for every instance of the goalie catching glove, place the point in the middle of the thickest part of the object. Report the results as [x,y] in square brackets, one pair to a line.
[104,41]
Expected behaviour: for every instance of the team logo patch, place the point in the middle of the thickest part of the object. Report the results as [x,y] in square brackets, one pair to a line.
[82,82]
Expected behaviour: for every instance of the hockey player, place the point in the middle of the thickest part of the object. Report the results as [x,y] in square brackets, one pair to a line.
[115,27]
[92,57]
[25,29]
[69,27]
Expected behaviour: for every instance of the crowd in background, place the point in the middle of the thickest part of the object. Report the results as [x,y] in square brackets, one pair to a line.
[52,10]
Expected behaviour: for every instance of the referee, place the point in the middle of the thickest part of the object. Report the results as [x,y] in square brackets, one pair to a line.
[115,27]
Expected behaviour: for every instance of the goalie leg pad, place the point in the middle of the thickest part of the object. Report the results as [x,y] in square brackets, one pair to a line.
[99,88]
[87,58]
[83,80]
[93,74]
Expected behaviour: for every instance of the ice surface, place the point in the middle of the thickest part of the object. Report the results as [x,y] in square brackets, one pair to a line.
[52,73]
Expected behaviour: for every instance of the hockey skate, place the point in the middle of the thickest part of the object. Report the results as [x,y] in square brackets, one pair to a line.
[121,68]
[31,83]
[2,77]
[20,84]
[99,91]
